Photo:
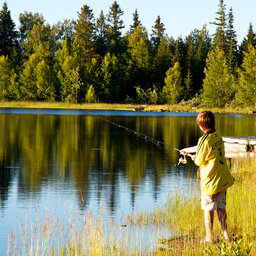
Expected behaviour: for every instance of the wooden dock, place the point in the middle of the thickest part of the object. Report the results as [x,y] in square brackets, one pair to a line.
[235,147]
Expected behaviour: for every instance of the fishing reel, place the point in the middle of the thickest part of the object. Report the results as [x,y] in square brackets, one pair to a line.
[182,160]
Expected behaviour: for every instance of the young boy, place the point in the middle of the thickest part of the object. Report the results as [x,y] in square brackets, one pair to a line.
[214,173]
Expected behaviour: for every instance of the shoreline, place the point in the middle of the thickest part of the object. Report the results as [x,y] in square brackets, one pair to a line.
[181,107]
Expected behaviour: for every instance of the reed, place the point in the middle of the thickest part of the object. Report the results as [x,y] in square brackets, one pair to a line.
[173,229]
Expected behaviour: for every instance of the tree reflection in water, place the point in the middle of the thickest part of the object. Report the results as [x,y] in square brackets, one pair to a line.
[94,157]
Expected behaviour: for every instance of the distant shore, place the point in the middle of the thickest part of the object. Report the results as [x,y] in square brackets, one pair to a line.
[181,107]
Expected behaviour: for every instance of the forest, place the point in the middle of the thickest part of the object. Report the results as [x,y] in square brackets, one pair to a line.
[90,60]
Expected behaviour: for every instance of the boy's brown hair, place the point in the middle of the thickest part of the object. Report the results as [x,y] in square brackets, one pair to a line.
[206,120]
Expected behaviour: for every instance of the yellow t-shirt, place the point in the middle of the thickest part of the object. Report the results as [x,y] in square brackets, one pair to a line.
[214,172]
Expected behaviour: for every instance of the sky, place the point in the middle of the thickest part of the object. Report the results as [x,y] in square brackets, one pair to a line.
[179,17]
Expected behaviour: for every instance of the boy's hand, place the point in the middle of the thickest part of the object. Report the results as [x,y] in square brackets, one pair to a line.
[184,153]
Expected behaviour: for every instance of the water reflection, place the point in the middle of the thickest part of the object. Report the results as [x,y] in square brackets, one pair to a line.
[76,156]
[87,152]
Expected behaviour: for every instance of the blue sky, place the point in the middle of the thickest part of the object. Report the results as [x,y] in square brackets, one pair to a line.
[180,17]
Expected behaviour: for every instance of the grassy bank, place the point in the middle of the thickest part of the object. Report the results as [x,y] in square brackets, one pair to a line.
[62,105]
[181,107]
[182,220]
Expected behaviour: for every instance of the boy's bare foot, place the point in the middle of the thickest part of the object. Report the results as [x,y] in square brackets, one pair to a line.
[205,241]
[225,235]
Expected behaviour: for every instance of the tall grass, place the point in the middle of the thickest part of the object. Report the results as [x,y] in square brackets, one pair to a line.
[179,224]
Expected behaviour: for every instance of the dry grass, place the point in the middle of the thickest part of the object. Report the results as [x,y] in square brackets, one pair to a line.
[62,105]
[181,107]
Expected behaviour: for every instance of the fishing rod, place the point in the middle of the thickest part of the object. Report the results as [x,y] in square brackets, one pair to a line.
[182,160]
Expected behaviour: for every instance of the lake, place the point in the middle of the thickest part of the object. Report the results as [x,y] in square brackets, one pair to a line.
[54,160]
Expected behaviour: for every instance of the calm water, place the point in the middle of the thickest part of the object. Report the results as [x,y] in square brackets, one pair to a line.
[61,159]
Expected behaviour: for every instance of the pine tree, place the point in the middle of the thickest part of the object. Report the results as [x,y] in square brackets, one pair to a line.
[137,72]
[70,81]
[5,71]
[179,56]
[179,52]
[85,34]
[139,48]
[136,21]
[157,32]
[28,79]
[251,37]
[202,44]
[102,39]
[162,62]
[44,82]
[188,82]
[116,24]
[91,96]
[66,31]
[8,34]
[220,38]
[67,68]
[231,42]
[9,86]
[231,34]
[189,51]
[16,58]
[111,79]
[189,66]
[172,90]
[218,85]
[92,77]
[14,87]
[249,40]
[247,79]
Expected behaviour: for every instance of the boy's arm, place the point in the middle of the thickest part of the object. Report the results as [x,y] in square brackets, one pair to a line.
[198,157]
[189,150]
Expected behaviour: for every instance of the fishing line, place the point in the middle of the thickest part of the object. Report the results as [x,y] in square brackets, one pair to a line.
[182,160]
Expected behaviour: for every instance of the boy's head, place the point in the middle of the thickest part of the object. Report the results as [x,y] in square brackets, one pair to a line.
[206,120]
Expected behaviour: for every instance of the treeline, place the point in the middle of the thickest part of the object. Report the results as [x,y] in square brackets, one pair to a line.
[92,60]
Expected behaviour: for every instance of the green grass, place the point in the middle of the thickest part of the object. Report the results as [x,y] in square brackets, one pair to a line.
[181,107]
[181,216]
[62,105]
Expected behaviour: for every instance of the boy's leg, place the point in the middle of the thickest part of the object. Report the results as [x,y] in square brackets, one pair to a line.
[208,220]
[209,206]
[222,216]
[221,212]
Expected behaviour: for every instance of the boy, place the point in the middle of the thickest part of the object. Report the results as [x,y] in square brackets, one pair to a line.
[214,173]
